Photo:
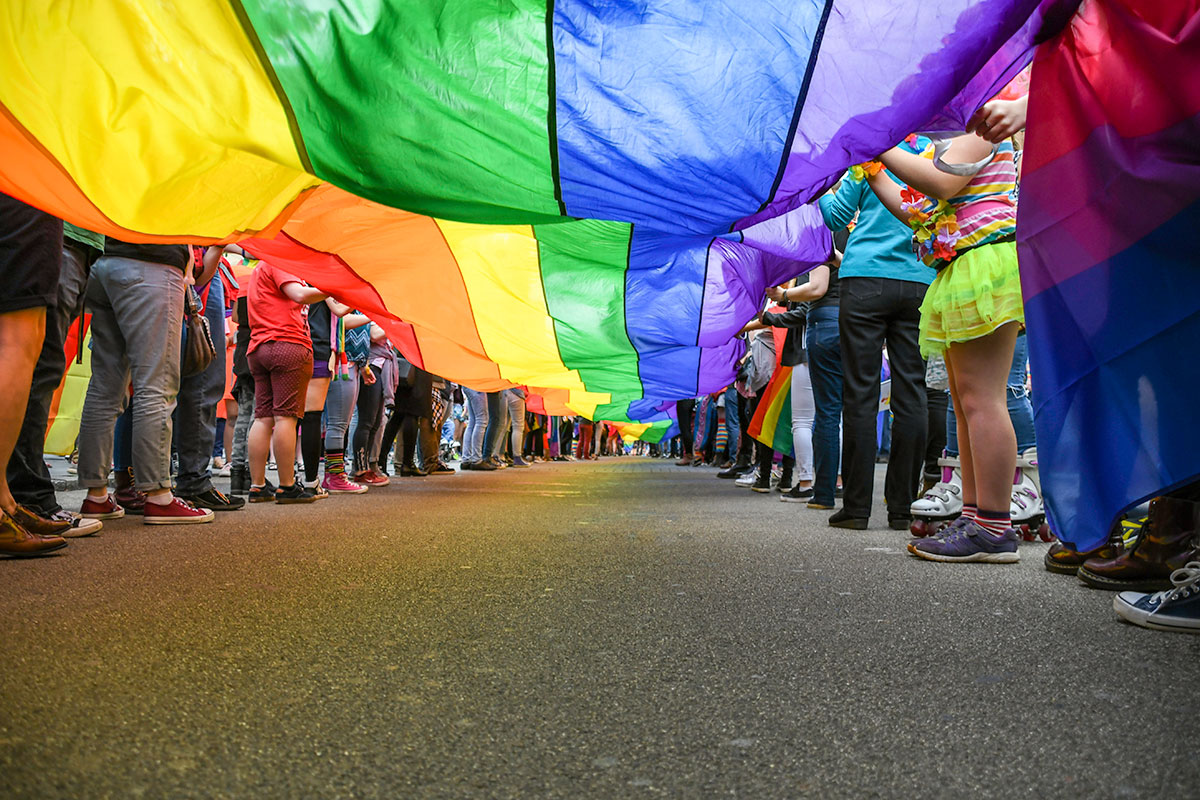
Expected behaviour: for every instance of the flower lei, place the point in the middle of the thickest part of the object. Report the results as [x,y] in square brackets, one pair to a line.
[867,169]
[935,227]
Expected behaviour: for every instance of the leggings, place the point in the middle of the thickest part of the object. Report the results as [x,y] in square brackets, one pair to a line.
[370,409]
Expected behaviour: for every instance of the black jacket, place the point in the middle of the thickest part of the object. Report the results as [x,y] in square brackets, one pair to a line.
[794,319]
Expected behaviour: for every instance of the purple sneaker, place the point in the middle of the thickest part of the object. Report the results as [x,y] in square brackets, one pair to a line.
[957,523]
[969,542]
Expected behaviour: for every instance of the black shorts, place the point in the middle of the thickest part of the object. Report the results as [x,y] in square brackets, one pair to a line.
[31,244]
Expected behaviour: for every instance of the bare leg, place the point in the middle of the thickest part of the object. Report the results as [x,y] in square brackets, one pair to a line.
[21,335]
[231,415]
[980,370]
[259,444]
[284,441]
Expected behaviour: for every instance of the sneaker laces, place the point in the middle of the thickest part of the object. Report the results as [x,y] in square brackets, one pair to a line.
[1187,583]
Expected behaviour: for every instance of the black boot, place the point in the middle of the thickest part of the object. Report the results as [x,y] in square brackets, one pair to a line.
[239,479]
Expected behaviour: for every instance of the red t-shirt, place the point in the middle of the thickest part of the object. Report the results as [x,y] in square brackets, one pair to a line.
[275,317]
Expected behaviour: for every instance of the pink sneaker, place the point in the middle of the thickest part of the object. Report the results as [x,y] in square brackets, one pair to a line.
[372,478]
[339,483]
[101,509]
[176,512]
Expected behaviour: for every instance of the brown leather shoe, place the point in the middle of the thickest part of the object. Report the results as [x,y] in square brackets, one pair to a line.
[16,542]
[39,525]
[1167,542]
[1065,561]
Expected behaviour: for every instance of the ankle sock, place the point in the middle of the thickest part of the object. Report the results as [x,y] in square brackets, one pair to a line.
[969,511]
[158,499]
[994,522]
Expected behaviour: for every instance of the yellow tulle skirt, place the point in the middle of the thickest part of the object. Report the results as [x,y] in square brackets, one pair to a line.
[979,292]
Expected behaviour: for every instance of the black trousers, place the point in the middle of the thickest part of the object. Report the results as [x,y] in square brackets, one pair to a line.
[685,410]
[875,312]
[938,402]
[28,479]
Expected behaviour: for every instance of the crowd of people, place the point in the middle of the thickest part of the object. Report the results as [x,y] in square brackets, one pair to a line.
[925,269]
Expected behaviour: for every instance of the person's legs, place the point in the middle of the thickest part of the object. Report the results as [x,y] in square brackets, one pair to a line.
[497,423]
[803,417]
[21,335]
[408,434]
[516,412]
[311,434]
[340,399]
[151,316]
[196,409]
[107,391]
[862,324]
[1020,410]
[987,443]
[477,417]
[733,421]
[684,410]
[28,479]
[370,399]
[825,372]
[937,402]
[910,416]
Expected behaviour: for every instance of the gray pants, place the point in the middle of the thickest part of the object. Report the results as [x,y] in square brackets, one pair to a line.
[137,314]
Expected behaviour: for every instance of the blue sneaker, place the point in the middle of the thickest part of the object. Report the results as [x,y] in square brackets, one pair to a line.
[968,542]
[1177,609]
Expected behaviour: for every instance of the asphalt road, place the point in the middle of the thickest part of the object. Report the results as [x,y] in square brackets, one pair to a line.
[619,629]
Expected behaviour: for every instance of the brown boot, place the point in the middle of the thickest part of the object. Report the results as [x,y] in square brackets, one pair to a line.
[1167,541]
[1065,561]
[16,542]
[686,461]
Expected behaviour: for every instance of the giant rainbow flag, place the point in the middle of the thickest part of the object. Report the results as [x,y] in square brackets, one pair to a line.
[583,197]
[1107,222]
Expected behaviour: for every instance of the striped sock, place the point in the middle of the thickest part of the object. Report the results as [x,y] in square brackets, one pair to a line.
[970,511]
[335,462]
[994,522]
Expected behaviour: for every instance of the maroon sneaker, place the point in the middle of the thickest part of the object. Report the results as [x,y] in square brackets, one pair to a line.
[101,509]
[176,512]
[369,478]
[131,500]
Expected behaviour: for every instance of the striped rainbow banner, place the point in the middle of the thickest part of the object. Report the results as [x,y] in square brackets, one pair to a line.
[647,163]
[1109,209]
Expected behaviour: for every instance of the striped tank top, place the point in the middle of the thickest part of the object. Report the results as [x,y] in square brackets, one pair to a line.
[987,208]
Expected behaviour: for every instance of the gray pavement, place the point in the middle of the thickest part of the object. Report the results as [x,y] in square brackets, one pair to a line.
[623,628]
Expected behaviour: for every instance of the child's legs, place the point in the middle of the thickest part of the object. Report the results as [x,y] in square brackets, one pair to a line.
[987,443]
[283,440]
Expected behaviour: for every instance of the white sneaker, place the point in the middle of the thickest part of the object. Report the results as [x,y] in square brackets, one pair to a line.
[748,479]
[224,471]
[80,525]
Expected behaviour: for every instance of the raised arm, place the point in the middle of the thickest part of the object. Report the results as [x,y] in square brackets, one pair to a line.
[921,174]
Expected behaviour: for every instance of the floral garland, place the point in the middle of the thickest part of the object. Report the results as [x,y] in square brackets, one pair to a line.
[935,226]
[867,169]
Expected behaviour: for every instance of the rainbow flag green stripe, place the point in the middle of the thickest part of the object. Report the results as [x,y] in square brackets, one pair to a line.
[439,108]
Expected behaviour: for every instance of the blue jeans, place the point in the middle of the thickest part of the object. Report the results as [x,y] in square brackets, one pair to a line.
[825,370]
[1020,410]
[477,420]
[733,421]
[497,424]
[196,410]
[515,405]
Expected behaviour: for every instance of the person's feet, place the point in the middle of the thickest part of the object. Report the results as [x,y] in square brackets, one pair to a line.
[262,494]
[130,499]
[371,478]
[842,519]
[797,494]
[520,463]
[215,500]
[899,522]
[968,541]
[106,508]
[37,524]
[441,468]
[1177,609]
[79,524]
[480,466]
[686,461]
[338,483]
[16,542]
[294,494]
[176,512]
